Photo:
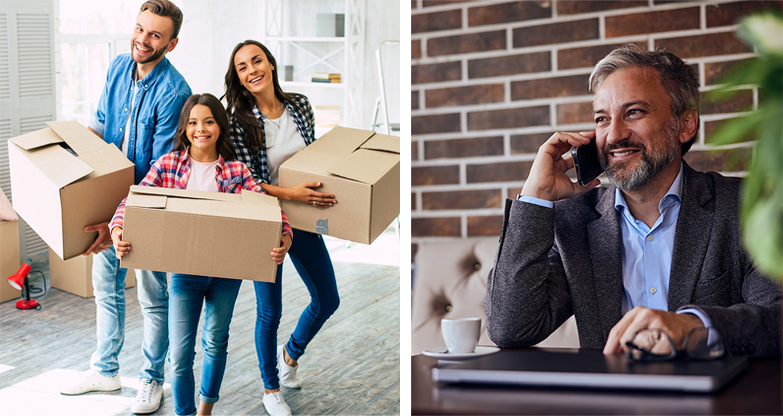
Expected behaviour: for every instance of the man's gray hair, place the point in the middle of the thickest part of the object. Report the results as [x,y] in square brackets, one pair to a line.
[678,79]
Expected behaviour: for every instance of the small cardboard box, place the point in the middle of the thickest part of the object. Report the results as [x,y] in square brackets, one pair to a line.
[64,177]
[362,169]
[75,275]
[9,258]
[202,233]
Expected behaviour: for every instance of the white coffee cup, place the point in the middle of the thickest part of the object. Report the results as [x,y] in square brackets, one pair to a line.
[461,335]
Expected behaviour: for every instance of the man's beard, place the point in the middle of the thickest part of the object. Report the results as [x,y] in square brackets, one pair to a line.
[152,58]
[651,163]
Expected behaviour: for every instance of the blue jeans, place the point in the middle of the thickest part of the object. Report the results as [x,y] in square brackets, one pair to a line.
[108,281]
[312,262]
[186,296]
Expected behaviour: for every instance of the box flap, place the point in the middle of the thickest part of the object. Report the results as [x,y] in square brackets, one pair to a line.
[250,197]
[77,136]
[182,193]
[339,141]
[36,139]
[366,166]
[383,143]
[146,201]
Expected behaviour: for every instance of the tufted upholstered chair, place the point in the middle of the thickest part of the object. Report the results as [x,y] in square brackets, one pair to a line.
[450,281]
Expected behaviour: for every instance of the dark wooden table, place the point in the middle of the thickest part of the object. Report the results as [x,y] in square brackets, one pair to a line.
[756,391]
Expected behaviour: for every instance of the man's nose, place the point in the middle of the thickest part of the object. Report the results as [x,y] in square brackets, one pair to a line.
[617,131]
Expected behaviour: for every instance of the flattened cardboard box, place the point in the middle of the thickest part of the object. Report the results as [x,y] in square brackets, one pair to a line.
[202,233]
[9,258]
[362,169]
[75,275]
[63,178]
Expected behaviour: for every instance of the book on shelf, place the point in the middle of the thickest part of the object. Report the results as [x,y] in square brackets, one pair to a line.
[326,77]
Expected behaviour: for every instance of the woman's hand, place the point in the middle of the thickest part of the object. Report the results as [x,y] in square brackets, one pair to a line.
[121,248]
[278,253]
[305,194]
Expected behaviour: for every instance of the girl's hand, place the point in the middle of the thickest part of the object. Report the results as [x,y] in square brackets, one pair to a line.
[278,253]
[305,194]
[121,248]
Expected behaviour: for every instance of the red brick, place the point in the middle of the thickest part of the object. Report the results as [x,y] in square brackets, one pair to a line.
[413,202]
[414,100]
[414,150]
[463,148]
[436,227]
[726,14]
[485,226]
[550,87]
[469,95]
[415,48]
[585,6]
[414,5]
[714,72]
[498,172]
[473,42]
[509,12]
[572,113]
[712,126]
[528,143]
[713,44]
[510,65]
[431,22]
[555,33]
[652,22]
[587,56]
[467,199]
[433,3]
[509,118]
[434,175]
[725,160]
[436,123]
[742,101]
[440,72]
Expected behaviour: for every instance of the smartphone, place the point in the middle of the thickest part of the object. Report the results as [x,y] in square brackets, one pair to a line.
[586,162]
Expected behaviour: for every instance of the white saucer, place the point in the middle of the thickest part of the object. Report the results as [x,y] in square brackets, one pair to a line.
[443,354]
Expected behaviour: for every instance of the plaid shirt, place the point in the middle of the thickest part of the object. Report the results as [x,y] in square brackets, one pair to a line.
[302,113]
[172,170]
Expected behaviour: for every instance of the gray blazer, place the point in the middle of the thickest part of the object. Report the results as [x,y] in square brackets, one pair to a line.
[552,263]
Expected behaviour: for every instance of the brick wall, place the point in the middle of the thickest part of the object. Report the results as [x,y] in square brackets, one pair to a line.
[492,80]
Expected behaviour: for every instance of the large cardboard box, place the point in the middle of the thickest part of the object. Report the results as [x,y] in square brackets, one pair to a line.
[362,169]
[9,258]
[75,275]
[64,177]
[202,233]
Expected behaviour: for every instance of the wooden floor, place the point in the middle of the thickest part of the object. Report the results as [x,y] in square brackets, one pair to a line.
[351,367]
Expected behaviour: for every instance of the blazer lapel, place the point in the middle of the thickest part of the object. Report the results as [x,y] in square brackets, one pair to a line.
[691,238]
[605,242]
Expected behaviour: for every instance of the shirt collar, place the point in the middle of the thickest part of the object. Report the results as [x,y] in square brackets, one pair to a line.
[259,115]
[673,195]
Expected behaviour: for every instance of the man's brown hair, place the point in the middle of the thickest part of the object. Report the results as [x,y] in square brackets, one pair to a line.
[165,8]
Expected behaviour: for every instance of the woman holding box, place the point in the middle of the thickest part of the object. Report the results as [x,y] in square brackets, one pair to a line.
[203,161]
[268,126]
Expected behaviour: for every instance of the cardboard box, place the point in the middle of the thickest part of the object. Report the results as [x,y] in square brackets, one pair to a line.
[202,233]
[362,169]
[75,275]
[64,177]
[9,258]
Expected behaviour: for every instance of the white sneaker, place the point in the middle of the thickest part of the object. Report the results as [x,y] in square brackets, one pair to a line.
[288,376]
[275,405]
[148,398]
[94,381]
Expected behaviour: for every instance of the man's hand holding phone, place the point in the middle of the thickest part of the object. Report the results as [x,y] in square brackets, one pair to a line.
[548,179]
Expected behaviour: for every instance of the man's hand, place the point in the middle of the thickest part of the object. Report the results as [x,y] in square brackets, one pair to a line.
[638,318]
[102,241]
[548,179]
[121,248]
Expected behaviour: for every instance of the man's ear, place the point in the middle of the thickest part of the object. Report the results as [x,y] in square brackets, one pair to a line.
[172,44]
[689,123]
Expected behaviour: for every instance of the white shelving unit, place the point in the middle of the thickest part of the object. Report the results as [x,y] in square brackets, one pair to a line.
[289,34]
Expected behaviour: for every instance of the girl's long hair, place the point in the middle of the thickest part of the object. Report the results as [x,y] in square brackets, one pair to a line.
[223,143]
[240,102]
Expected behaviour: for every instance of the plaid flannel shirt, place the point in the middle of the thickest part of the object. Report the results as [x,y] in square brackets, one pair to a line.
[172,170]
[302,113]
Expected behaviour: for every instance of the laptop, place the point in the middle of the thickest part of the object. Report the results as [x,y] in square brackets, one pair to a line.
[589,369]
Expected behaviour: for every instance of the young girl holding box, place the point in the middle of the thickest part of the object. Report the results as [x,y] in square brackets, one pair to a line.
[203,161]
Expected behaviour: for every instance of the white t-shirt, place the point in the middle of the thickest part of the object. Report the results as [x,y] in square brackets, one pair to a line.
[124,145]
[282,141]
[202,176]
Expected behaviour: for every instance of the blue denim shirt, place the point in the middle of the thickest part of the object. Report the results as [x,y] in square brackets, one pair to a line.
[159,99]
